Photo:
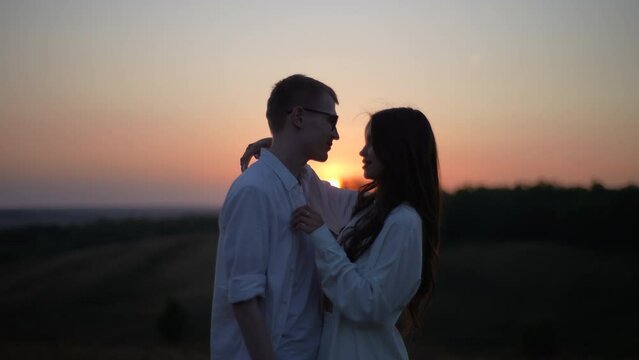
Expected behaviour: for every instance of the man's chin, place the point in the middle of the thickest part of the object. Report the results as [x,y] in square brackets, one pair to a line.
[320,158]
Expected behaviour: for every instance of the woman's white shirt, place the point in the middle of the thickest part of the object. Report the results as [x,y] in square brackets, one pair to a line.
[369,295]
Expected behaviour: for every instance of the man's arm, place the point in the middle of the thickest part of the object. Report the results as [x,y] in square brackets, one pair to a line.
[245,248]
[253,327]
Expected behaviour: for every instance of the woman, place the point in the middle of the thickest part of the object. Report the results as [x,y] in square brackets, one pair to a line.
[382,265]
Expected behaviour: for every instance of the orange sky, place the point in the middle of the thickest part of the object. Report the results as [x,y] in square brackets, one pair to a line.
[152,103]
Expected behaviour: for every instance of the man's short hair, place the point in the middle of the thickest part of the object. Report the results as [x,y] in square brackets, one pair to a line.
[295,90]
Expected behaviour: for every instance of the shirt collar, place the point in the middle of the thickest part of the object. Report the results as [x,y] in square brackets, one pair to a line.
[282,172]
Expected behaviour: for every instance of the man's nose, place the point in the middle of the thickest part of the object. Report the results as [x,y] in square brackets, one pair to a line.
[335,134]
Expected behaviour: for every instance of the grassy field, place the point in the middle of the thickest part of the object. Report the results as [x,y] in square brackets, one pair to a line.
[533,300]
[515,299]
[106,301]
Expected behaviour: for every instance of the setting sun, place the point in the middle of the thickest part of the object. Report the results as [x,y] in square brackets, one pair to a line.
[335,182]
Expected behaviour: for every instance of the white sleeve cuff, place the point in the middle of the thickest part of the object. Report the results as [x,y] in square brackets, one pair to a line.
[245,287]
[323,239]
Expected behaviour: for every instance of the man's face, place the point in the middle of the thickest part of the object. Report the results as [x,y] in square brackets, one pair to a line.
[320,127]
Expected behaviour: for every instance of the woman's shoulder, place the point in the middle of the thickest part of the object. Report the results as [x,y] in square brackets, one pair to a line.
[402,229]
[404,215]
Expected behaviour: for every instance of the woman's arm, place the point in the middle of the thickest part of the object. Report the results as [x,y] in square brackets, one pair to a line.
[385,283]
[253,151]
[334,204]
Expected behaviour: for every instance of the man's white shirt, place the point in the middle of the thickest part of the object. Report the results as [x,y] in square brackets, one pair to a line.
[259,255]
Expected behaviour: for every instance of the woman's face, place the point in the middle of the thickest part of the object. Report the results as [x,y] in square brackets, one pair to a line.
[372,166]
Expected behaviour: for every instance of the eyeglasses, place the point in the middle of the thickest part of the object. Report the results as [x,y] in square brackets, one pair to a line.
[332,117]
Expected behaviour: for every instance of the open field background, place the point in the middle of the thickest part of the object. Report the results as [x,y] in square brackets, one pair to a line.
[106,301]
[148,296]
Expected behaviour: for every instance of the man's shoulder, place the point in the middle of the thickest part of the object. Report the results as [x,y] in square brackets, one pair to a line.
[309,176]
[308,171]
[258,177]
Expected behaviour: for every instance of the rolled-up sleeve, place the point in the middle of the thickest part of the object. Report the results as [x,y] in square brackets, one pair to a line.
[244,244]
[386,284]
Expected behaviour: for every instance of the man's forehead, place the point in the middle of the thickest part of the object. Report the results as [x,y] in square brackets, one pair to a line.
[323,102]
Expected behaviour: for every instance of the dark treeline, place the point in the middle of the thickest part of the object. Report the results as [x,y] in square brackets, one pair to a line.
[47,239]
[596,217]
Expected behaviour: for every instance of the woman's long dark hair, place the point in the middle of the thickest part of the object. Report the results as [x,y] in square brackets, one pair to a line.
[404,143]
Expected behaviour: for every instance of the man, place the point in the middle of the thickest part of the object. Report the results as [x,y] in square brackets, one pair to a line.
[266,300]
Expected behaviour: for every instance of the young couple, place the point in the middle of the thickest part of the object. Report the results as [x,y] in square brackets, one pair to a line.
[305,270]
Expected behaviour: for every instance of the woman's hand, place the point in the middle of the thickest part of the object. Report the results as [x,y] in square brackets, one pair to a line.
[306,219]
[253,150]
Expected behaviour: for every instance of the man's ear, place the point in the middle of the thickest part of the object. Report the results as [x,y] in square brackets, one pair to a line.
[296,117]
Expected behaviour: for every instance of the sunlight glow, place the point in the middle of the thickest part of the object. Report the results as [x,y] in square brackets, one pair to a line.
[335,182]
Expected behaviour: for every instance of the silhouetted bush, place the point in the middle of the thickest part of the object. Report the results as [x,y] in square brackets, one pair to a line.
[172,322]
[540,341]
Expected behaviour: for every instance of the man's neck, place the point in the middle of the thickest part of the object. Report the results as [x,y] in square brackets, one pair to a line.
[291,159]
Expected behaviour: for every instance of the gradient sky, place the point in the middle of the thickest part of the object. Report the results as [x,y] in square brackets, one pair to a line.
[152,102]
